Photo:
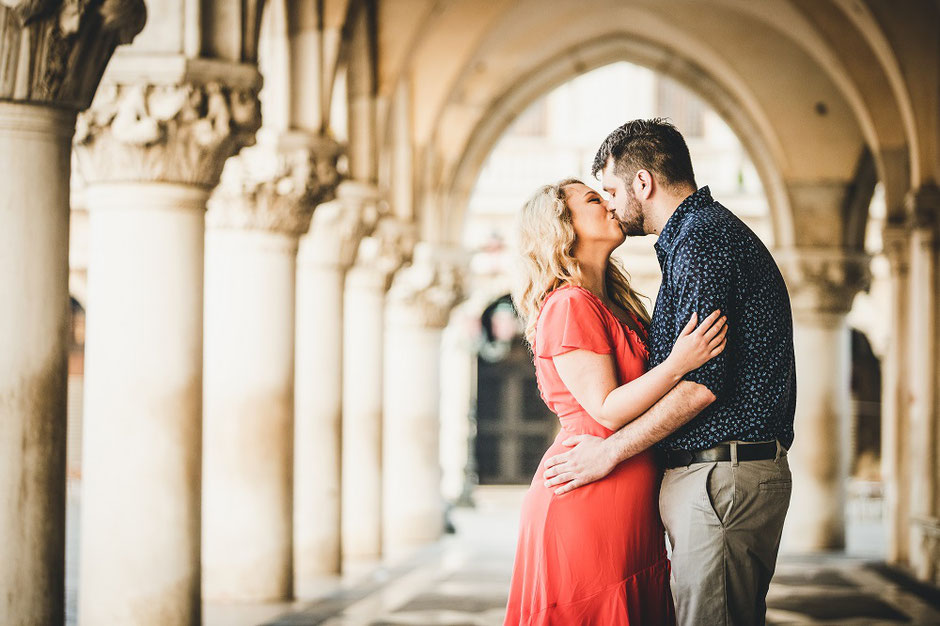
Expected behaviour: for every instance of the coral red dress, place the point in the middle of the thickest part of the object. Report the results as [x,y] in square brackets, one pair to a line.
[596,555]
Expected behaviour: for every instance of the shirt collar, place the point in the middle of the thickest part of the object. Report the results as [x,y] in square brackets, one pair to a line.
[667,237]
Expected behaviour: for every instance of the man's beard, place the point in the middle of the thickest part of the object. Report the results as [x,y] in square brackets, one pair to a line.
[632,222]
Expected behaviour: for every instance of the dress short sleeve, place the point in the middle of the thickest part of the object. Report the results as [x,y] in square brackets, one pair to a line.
[571,319]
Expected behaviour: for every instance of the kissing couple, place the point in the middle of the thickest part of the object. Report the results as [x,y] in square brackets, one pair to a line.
[675,424]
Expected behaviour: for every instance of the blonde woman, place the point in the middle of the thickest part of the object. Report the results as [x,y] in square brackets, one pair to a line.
[595,555]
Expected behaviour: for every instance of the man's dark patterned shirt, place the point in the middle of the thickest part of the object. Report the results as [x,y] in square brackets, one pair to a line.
[711,260]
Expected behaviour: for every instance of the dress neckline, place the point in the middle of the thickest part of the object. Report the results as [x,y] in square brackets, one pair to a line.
[637,339]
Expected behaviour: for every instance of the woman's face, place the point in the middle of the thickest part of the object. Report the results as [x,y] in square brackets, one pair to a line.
[593,221]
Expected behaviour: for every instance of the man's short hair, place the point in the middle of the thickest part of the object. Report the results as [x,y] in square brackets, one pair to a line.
[654,145]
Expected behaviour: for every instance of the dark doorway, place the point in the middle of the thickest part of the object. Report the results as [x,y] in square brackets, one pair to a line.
[76,380]
[866,409]
[514,427]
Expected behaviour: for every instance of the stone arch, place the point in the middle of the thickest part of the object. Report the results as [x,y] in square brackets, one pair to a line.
[755,133]
[886,123]
[871,31]
[303,50]
[815,118]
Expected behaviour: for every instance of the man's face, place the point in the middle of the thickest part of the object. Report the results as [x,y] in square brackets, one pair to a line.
[623,202]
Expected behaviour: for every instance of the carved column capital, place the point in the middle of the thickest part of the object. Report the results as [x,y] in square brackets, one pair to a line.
[824,281]
[275,185]
[424,292]
[174,132]
[923,211]
[339,225]
[54,51]
[896,246]
[382,253]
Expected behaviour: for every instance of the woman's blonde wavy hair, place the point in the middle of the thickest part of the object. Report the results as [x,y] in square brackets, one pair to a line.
[546,244]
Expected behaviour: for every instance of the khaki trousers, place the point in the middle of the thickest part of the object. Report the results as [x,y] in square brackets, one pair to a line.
[723,523]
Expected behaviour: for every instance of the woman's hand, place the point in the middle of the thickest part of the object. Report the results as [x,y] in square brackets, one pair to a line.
[696,346]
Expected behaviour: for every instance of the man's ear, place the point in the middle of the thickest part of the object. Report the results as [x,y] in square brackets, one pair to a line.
[643,184]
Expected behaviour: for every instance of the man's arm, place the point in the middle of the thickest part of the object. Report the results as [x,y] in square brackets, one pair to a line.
[672,412]
[592,458]
[592,378]
[701,279]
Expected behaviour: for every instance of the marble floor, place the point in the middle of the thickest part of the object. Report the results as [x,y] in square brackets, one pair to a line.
[462,580]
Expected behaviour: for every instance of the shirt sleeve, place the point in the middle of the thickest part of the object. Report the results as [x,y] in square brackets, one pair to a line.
[702,277]
[571,320]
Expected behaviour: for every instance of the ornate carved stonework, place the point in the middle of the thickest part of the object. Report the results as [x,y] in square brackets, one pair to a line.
[923,209]
[177,133]
[824,281]
[339,225]
[424,292]
[54,51]
[382,253]
[275,186]
[896,245]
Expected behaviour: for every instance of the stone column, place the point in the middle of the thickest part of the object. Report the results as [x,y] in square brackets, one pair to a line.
[52,56]
[360,91]
[326,252]
[923,373]
[256,216]
[895,394]
[34,225]
[150,153]
[459,354]
[822,284]
[419,305]
[379,256]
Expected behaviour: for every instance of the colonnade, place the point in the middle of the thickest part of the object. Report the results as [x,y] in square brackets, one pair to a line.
[263,341]
[215,341]
[378,258]
[327,252]
[823,282]
[910,437]
[53,56]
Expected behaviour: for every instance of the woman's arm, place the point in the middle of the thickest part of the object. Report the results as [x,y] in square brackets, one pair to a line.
[592,378]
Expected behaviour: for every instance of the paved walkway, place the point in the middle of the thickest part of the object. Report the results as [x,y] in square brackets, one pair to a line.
[463,579]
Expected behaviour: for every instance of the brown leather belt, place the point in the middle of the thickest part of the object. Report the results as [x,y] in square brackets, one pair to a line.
[721,452]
